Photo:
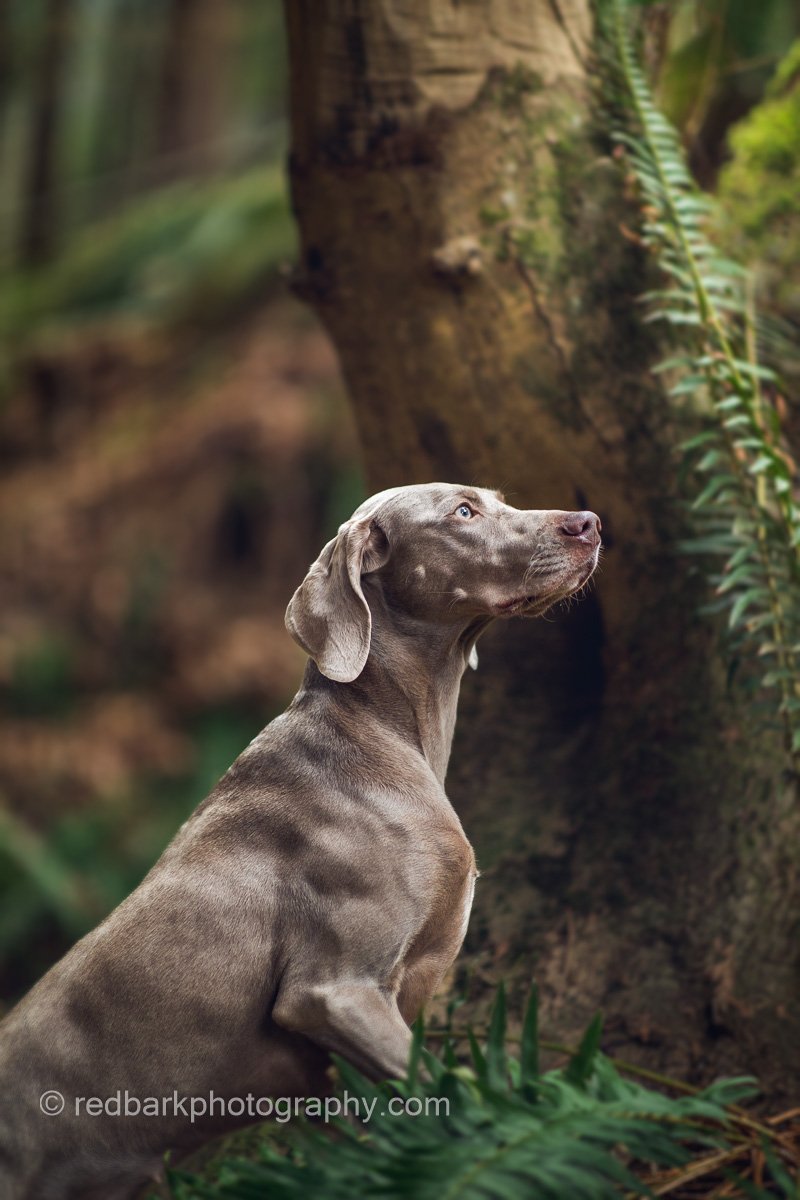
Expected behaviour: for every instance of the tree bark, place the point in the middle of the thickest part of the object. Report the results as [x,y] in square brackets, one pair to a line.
[466,242]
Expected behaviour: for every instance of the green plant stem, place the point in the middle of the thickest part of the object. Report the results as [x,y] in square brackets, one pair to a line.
[786,658]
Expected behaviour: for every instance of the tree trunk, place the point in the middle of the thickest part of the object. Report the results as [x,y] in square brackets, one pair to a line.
[40,229]
[466,243]
[193,86]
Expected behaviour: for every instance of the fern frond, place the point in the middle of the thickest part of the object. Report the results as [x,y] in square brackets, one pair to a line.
[509,1132]
[740,464]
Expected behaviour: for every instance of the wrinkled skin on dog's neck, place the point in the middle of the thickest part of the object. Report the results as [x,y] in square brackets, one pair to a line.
[410,682]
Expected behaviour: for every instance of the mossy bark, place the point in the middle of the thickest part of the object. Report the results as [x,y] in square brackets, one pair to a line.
[466,242]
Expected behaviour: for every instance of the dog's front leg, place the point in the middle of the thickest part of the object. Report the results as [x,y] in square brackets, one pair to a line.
[359,1021]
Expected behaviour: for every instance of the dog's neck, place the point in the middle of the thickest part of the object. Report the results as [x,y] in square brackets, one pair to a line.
[410,682]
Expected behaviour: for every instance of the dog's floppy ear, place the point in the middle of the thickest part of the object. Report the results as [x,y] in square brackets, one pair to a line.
[328,615]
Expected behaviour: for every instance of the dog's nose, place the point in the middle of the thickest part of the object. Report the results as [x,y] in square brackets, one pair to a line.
[585,525]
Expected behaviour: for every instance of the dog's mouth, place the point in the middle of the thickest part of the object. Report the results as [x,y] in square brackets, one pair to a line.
[533,606]
[519,604]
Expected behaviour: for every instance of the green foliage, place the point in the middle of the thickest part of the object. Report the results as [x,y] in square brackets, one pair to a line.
[47,883]
[41,679]
[764,175]
[125,110]
[186,253]
[719,56]
[498,1128]
[743,477]
[759,195]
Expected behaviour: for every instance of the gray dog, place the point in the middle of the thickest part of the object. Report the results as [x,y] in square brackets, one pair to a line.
[314,900]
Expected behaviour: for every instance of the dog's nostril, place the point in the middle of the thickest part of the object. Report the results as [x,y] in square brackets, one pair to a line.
[579,524]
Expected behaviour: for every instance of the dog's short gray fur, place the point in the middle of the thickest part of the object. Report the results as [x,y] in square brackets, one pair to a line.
[315,899]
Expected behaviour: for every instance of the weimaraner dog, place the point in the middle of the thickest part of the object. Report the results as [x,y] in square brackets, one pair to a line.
[315,899]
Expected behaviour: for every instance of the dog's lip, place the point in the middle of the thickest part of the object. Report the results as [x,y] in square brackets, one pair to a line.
[516,602]
[522,603]
[594,559]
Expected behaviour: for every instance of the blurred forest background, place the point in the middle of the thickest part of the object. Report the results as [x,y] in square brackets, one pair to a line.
[175,444]
[175,439]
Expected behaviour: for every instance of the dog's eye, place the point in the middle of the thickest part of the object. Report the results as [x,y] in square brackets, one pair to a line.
[465,511]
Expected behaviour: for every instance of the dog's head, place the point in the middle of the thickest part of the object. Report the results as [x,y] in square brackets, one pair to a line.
[442,554]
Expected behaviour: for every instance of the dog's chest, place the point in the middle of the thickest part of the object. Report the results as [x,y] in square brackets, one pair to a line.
[466,906]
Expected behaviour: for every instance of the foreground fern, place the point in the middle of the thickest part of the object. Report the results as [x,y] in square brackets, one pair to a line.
[745,502]
[567,1134]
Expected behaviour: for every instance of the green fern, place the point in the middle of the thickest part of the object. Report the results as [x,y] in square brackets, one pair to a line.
[511,1131]
[745,479]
